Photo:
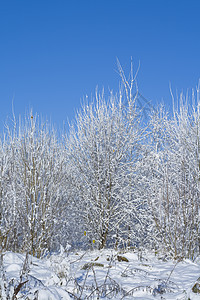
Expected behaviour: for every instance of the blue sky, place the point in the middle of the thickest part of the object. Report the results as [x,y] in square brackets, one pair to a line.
[53,53]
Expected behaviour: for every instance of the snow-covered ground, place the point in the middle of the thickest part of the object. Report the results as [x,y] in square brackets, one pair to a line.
[96,274]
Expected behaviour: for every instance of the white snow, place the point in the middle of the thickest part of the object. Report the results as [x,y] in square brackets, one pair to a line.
[93,274]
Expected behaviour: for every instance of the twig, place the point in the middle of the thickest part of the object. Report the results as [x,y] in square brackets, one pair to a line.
[17,289]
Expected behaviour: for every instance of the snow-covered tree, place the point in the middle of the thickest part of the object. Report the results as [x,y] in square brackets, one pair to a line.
[32,187]
[6,205]
[172,172]
[104,147]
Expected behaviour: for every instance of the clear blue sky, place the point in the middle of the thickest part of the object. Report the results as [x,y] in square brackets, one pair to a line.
[53,53]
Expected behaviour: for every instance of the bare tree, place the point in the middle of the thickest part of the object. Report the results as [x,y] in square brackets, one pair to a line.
[103,152]
[32,187]
[172,173]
